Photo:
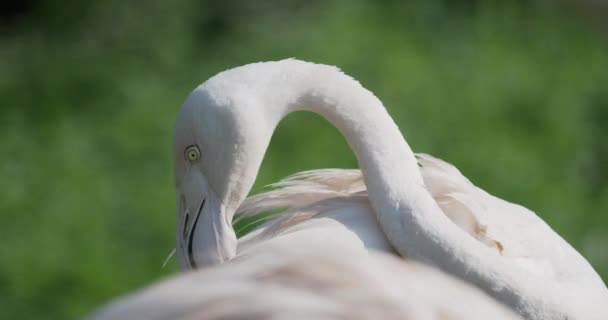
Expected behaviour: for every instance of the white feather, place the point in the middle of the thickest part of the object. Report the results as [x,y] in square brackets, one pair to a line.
[278,284]
[308,194]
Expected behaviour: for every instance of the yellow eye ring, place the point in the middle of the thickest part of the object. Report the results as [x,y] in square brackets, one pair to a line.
[192,153]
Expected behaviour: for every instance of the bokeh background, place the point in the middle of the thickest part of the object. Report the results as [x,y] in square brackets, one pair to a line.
[512,92]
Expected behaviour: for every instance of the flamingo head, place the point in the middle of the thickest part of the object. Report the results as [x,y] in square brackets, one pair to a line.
[220,139]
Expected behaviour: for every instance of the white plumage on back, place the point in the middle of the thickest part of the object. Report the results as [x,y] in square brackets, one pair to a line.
[340,195]
[279,284]
[317,192]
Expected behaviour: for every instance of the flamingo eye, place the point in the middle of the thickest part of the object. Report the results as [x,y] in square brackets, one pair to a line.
[192,153]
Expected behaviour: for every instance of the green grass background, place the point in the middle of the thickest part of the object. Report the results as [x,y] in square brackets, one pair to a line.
[512,92]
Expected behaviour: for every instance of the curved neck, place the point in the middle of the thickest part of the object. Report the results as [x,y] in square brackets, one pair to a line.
[408,215]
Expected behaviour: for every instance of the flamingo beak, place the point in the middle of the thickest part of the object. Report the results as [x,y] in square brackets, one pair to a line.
[204,237]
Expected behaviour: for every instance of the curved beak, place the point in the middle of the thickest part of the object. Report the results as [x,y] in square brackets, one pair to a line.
[204,236]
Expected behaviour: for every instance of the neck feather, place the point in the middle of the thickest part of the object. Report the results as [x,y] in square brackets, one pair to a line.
[408,215]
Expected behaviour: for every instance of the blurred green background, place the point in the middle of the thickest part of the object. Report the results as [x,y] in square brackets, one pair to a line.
[512,92]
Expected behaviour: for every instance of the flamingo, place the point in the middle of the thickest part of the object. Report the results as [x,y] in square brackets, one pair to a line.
[281,284]
[422,209]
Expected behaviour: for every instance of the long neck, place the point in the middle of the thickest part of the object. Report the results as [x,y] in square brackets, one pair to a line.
[408,215]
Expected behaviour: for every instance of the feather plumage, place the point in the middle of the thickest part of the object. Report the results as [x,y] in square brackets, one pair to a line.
[308,194]
[278,284]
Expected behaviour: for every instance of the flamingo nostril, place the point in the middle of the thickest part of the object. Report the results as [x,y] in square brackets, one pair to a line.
[185,227]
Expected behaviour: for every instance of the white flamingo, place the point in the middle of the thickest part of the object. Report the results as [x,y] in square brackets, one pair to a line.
[437,216]
[281,284]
